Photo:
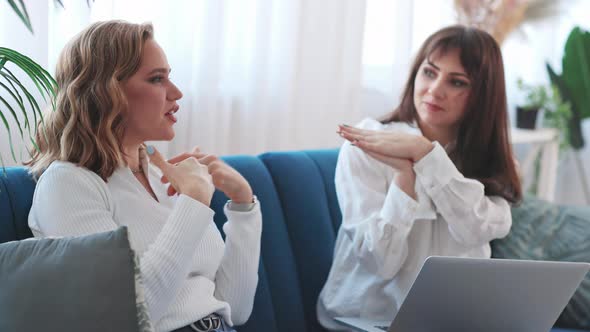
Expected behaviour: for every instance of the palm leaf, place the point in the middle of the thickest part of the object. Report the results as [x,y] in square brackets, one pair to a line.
[22,13]
[18,93]
[20,101]
[32,102]
[12,111]
[3,118]
[36,109]
[42,79]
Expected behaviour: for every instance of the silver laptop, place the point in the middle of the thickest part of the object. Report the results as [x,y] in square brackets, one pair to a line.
[472,294]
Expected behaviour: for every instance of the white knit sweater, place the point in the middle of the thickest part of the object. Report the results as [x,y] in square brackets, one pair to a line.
[188,270]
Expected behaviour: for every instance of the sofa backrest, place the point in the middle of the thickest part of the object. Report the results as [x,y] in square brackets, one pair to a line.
[300,218]
[16,194]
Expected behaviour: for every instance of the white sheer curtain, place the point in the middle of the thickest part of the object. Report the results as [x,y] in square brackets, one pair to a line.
[394,30]
[262,75]
[257,75]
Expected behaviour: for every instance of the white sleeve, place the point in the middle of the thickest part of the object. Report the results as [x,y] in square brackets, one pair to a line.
[237,276]
[376,216]
[70,201]
[474,219]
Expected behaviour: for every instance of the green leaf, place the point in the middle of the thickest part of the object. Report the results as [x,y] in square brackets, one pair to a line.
[13,91]
[22,13]
[36,109]
[575,135]
[34,144]
[46,85]
[9,137]
[11,77]
[30,98]
[576,70]
[42,79]
[21,106]
[5,102]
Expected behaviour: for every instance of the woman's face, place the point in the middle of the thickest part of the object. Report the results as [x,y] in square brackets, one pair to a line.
[151,98]
[441,90]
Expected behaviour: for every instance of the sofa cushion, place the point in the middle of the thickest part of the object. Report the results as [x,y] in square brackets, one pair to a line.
[16,195]
[545,231]
[278,303]
[68,284]
[325,161]
[301,187]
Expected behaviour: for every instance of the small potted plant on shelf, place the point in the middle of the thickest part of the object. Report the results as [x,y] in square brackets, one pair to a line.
[547,102]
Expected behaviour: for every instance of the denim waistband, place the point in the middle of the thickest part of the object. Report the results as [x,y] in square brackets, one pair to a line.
[210,323]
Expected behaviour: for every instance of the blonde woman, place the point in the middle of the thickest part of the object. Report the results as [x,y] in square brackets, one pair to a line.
[95,174]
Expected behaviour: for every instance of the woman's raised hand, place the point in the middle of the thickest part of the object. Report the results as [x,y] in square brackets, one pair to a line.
[391,147]
[224,177]
[188,177]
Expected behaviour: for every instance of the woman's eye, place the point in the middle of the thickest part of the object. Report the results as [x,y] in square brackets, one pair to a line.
[429,72]
[156,79]
[459,83]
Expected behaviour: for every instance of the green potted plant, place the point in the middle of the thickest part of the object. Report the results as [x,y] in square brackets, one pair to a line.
[574,85]
[16,101]
[535,98]
[574,82]
[548,102]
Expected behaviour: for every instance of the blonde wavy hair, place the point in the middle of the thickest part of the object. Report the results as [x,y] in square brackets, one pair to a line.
[87,126]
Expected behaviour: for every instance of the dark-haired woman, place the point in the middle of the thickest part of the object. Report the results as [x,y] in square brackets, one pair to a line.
[434,177]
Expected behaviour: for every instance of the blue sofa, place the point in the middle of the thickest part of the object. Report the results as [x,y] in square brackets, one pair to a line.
[301,218]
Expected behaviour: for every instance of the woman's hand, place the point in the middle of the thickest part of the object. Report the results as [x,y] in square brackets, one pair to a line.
[387,145]
[398,150]
[188,177]
[224,177]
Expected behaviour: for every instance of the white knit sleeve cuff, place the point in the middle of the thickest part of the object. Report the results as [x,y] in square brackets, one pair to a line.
[242,207]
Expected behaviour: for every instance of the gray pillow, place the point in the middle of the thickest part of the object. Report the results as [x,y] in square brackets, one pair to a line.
[546,231]
[68,284]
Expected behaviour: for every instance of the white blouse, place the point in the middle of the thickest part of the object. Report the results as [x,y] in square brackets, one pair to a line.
[386,235]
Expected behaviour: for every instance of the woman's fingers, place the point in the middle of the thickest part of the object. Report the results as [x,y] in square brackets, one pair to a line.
[356,134]
[157,159]
[353,130]
[184,156]
[171,191]
[207,159]
[218,179]
[373,146]
[379,157]
[397,163]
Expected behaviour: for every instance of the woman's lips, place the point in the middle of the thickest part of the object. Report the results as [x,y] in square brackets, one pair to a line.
[171,117]
[432,107]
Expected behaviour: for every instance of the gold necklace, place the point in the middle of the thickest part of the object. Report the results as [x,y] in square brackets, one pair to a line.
[135,171]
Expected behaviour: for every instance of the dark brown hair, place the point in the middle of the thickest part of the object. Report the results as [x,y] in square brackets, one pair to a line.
[482,149]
